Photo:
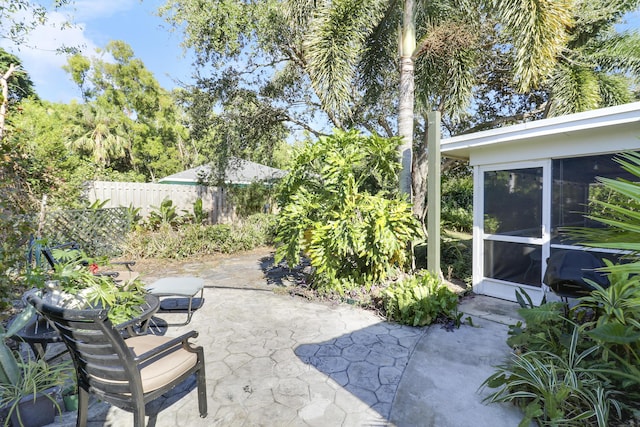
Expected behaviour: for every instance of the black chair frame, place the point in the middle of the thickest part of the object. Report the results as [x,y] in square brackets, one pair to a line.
[108,368]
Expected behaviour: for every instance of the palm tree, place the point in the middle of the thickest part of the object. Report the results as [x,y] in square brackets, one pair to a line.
[101,133]
[349,41]
[594,67]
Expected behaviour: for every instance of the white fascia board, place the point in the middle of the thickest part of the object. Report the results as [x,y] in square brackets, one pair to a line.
[460,146]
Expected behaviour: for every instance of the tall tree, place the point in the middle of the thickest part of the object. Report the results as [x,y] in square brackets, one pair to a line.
[131,111]
[17,19]
[341,58]
[446,34]
[103,133]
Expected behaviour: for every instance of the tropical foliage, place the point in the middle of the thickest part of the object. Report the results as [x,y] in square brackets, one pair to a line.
[419,300]
[620,214]
[339,209]
[481,63]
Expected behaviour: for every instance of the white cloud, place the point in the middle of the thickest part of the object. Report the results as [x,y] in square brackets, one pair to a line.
[86,10]
[41,59]
[44,64]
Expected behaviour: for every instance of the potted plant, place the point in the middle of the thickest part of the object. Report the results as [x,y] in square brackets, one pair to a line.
[75,284]
[70,397]
[33,400]
[24,384]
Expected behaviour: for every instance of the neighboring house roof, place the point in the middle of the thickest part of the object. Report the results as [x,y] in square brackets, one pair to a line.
[238,171]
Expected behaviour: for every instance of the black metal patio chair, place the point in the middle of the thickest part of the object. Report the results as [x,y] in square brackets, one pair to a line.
[128,373]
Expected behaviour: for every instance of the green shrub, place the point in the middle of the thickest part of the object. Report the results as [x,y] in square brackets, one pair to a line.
[337,208]
[419,300]
[163,215]
[456,258]
[457,202]
[251,199]
[195,239]
[556,390]
[571,365]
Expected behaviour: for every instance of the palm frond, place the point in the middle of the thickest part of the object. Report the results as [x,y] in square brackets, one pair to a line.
[538,30]
[575,89]
[334,46]
[616,53]
[614,90]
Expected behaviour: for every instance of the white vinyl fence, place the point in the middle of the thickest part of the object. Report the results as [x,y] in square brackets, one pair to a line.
[147,196]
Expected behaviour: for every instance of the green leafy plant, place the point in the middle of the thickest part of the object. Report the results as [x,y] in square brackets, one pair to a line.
[419,300]
[457,201]
[133,214]
[456,257]
[36,377]
[616,327]
[199,215]
[19,378]
[573,365]
[76,279]
[621,220]
[164,215]
[251,199]
[196,240]
[555,390]
[337,208]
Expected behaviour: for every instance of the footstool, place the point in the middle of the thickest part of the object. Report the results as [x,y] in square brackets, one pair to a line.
[178,295]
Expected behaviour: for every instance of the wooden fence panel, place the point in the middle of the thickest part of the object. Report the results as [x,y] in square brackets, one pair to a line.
[148,196]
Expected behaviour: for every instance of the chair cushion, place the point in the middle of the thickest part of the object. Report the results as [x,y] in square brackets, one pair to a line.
[165,369]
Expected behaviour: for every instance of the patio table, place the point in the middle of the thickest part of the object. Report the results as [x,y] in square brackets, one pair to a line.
[178,294]
[38,334]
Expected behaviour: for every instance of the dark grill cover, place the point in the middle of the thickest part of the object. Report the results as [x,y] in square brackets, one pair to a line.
[566,271]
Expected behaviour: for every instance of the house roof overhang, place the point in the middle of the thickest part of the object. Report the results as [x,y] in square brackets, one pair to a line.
[460,147]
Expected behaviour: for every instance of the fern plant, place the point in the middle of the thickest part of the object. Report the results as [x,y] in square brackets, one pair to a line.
[419,300]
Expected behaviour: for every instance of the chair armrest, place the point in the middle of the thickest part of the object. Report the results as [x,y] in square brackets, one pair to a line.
[127,264]
[112,274]
[158,351]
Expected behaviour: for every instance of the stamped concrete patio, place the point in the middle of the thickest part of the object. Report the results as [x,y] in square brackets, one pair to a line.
[277,360]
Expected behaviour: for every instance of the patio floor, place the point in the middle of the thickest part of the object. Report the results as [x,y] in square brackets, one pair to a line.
[276,360]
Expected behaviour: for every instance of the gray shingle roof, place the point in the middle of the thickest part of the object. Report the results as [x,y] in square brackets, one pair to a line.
[238,171]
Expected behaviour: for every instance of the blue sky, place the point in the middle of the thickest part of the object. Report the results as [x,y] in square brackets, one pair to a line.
[98,22]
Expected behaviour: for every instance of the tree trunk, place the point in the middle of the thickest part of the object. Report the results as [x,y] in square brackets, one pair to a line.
[406,98]
[419,172]
[4,105]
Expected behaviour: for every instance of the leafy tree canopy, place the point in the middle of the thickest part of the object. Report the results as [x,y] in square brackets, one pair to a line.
[128,121]
[20,85]
[481,63]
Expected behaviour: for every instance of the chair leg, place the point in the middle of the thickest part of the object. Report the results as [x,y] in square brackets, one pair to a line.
[202,391]
[138,416]
[83,407]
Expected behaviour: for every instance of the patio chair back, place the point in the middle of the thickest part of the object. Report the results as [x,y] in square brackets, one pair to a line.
[128,373]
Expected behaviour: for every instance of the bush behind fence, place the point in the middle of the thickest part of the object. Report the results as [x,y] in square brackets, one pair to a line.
[148,196]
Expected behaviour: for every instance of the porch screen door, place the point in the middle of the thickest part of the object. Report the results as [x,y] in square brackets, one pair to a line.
[514,223]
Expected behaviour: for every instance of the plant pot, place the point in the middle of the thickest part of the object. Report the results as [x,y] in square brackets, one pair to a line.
[36,412]
[70,402]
